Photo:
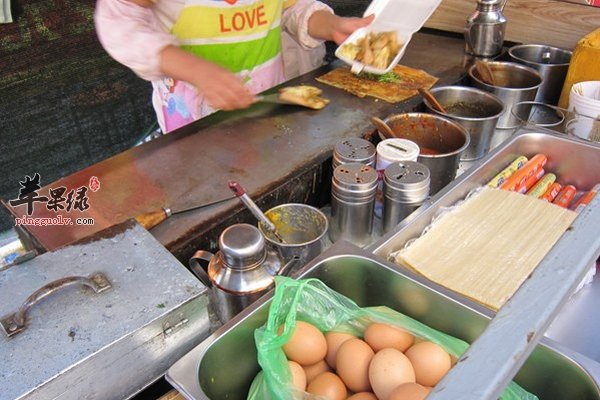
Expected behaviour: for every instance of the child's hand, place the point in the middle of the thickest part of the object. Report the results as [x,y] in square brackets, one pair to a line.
[222,90]
[325,25]
[345,26]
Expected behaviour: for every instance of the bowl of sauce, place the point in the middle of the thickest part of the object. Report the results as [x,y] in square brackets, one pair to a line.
[441,143]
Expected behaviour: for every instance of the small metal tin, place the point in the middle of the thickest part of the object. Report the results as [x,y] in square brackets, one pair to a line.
[405,187]
[354,150]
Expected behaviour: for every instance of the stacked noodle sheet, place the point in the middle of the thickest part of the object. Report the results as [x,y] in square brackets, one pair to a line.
[487,246]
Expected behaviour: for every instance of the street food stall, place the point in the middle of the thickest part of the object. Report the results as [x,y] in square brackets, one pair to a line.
[147,253]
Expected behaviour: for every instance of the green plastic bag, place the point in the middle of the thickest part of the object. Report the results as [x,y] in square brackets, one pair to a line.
[310,300]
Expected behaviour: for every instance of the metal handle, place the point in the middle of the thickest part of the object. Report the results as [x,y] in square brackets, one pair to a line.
[287,268]
[194,263]
[468,36]
[15,323]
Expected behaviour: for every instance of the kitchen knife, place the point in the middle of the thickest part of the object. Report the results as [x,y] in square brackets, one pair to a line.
[150,219]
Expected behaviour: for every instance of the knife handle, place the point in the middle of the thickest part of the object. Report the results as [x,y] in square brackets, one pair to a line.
[150,219]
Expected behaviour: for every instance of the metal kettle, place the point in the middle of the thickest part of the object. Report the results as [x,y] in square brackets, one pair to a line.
[484,32]
[240,272]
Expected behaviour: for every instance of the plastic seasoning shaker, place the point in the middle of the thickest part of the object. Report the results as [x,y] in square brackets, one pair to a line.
[390,151]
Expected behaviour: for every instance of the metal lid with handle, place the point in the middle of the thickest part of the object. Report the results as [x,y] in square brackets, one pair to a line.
[16,322]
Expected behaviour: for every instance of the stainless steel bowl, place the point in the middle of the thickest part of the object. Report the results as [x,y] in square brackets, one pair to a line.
[303,229]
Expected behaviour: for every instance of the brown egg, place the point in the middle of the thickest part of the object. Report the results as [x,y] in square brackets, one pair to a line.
[362,396]
[298,375]
[389,368]
[430,362]
[307,345]
[316,369]
[409,391]
[328,385]
[334,341]
[383,336]
[352,361]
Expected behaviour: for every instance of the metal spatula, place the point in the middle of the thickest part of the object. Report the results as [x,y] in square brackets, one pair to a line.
[273,98]
[310,99]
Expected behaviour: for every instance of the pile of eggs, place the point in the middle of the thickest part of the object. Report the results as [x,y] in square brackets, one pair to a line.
[389,364]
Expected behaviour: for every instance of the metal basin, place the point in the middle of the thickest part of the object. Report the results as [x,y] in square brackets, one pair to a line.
[575,162]
[223,366]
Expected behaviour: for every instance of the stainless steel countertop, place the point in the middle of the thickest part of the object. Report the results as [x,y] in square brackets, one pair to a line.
[261,147]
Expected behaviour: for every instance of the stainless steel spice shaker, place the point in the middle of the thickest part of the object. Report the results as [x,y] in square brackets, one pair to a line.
[354,150]
[405,187]
[353,190]
[484,32]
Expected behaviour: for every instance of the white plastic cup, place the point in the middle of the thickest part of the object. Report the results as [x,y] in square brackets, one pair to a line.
[388,152]
[584,99]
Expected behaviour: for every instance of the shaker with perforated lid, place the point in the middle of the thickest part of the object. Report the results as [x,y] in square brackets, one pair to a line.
[390,151]
[405,188]
[353,190]
[354,150]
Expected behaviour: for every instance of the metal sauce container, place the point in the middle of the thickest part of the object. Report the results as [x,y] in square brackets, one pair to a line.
[405,188]
[353,190]
[354,150]
[484,32]
[240,272]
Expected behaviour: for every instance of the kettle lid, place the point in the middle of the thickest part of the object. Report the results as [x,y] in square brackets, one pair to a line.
[242,246]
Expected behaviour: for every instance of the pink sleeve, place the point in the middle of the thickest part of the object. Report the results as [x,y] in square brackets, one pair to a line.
[295,21]
[131,34]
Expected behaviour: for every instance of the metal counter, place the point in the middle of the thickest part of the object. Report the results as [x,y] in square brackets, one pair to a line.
[263,147]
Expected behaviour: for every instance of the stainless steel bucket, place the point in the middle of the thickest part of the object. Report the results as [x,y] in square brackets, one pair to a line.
[551,62]
[477,111]
[514,83]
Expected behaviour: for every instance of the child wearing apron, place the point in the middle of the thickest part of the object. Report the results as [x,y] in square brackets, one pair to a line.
[203,55]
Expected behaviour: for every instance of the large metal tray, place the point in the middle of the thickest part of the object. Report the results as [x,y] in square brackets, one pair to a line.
[575,162]
[223,366]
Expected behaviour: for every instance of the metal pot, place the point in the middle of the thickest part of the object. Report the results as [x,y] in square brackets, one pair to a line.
[441,141]
[302,228]
[240,272]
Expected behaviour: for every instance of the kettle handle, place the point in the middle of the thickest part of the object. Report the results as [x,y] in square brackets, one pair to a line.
[194,263]
[467,34]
